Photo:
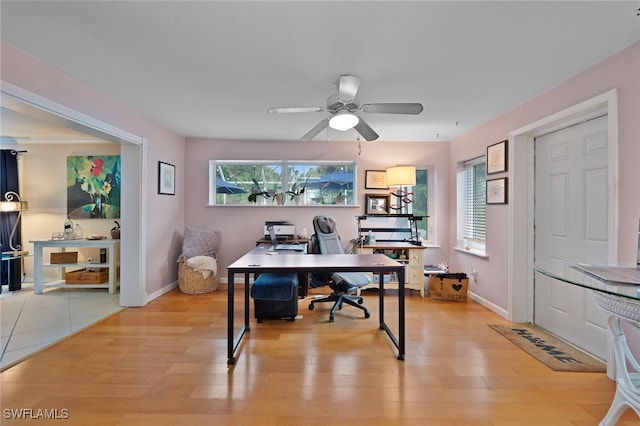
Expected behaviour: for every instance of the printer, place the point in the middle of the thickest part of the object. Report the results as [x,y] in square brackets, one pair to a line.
[284,230]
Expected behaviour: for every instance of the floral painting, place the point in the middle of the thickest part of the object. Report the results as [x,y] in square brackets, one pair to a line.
[93,187]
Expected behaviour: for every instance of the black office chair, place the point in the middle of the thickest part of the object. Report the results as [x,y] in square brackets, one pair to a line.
[326,240]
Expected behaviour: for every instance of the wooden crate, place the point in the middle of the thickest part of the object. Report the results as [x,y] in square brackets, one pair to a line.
[64,257]
[85,276]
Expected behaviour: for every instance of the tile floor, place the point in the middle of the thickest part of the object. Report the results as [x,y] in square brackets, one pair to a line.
[30,322]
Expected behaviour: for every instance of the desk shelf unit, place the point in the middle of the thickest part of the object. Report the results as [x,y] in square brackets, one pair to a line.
[397,237]
[409,254]
[390,227]
[112,263]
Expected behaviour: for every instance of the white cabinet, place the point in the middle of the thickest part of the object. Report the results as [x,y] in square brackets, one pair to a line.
[112,262]
[407,253]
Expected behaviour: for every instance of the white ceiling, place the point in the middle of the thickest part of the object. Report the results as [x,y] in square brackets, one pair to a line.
[20,127]
[212,69]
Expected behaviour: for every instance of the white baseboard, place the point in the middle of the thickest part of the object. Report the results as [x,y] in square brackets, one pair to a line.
[492,307]
[162,291]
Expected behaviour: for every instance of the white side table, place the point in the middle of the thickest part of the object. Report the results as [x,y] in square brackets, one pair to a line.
[39,264]
[627,368]
[622,303]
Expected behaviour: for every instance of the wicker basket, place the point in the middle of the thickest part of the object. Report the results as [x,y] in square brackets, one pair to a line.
[192,282]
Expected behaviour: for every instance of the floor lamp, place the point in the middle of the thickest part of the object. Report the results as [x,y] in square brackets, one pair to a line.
[13,203]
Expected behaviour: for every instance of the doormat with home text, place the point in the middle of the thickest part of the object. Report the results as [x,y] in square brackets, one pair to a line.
[549,350]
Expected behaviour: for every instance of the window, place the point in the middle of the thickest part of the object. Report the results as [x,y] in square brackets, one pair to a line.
[258,182]
[472,204]
[421,204]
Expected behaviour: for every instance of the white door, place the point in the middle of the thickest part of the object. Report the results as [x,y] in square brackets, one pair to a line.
[571,224]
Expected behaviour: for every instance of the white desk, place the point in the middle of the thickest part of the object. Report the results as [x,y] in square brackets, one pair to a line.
[39,264]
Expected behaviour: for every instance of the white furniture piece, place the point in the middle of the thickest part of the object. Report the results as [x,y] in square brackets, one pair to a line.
[406,253]
[622,303]
[627,368]
[39,263]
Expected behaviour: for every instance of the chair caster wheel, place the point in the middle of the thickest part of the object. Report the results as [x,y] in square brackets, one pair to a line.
[331,318]
[360,301]
[367,314]
[311,307]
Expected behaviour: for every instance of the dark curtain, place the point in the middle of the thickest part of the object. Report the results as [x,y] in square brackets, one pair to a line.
[8,182]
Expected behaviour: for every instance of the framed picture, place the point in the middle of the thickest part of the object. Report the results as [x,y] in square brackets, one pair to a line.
[375,179]
[497,157]
[497,191]
[376,204]
[95,193]
[166,178]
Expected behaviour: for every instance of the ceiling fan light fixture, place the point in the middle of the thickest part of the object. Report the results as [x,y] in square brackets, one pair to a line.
[343,120]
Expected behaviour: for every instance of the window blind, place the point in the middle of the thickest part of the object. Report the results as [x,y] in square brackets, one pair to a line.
[474,194]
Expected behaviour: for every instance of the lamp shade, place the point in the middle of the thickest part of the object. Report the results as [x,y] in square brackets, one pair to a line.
[401,176]
[13,206]
[343,120]
[13,203]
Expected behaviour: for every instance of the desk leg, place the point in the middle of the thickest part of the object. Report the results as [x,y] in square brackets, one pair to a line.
[37,269]
[246,302]
[303,283]
[401,294]
[381,300]
[399,343]
[112,269]
[233,341]
[230,348]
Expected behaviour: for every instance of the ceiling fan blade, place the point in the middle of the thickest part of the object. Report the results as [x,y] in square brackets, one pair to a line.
[316,129]
[348,86]
[366,131]
[393,108]
[286,110]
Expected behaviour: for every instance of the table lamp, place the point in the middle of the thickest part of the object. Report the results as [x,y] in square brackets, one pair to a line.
[399,177]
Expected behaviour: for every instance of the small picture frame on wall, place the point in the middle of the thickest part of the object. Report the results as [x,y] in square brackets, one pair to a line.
[497,191]
[166,178]
[376,204]
[497,157]
[375,179]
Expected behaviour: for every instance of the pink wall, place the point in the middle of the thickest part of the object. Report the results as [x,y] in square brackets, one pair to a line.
[620,72]
[163,230]
[242,226]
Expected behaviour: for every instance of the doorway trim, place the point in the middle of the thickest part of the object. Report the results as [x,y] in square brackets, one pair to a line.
[521,193]
[133,151]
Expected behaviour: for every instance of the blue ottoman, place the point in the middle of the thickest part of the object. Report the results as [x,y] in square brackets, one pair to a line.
[275,295]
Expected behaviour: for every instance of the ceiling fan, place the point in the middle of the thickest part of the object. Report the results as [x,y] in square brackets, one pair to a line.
[342,106]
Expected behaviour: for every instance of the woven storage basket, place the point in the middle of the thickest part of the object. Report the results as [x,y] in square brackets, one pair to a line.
[192,282]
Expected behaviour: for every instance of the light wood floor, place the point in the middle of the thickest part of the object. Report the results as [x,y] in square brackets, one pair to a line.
[165,364]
